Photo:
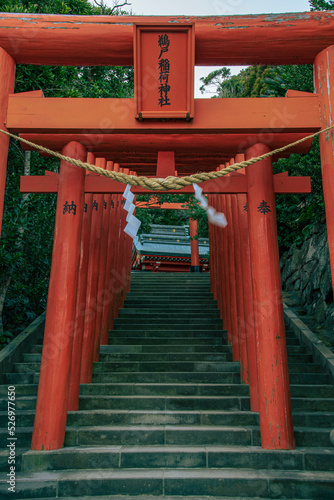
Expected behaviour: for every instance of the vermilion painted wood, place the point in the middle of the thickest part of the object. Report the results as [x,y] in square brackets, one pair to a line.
[194,242]
[126,241]
[92,286]
[100,184]
[227,272]
[219,260]
[116,210]
[245,115]
[147,80]
[324,82]
[102,270]
[220,40]
[113,146]
[163,206]
[73,396]
[52,398]
[224,271]
[273,376]
[119,272]
[165,164]
[232,278]
[108,297]
[247,289]
[241,332]
[7,70]
[212,252]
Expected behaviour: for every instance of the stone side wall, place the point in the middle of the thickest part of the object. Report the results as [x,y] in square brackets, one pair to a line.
[306,271]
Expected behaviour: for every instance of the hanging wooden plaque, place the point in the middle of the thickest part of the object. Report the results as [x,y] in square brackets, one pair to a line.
[164,61]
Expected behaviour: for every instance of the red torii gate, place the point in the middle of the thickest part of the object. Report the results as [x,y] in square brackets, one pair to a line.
[108,128]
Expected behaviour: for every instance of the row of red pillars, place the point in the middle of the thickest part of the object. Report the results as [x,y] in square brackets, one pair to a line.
[246,282]
[90,275]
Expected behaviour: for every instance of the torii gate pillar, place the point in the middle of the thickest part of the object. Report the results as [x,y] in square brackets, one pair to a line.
[195,267]
[7,71]
[53,388]
[273,376]
[324,84]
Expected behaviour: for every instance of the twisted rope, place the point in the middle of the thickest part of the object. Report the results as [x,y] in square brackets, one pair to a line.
[171,182]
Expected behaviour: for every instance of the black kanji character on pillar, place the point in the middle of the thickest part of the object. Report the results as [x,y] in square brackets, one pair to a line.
[70,208]
[112,203]
[95,205]
[245,207]
[163,92]
[123,202]
[263,207]
[163,42]
[104,204]
[85,207]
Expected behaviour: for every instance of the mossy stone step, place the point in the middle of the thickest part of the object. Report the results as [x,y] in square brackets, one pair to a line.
[173,456]
[185,482]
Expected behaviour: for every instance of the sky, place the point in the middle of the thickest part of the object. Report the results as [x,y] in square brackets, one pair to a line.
[212,7]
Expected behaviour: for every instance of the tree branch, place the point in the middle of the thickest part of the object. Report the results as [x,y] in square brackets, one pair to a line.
[118,6]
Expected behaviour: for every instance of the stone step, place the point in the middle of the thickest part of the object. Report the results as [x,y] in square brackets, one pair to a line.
[188,366]
[169,332]
[170,292]
[172,289]
[297,391]
[21,378]
[167,338]
[153,314]
[178,304]
[175,349]
[172,302]
[133,435]
[164,389]
[157,326]
[134,377]
[182,482]
[202,377]
[114,357]
[163,366]
[110,349]
[179,457]
[4,466]
[25,418]
[160,403]
[163,497]
[159,435]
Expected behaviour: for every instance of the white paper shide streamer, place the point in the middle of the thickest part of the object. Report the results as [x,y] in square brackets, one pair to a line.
[133,224]
[216,218]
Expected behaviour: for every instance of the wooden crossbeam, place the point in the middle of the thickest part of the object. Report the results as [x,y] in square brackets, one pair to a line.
[220,40]
[116,147]
[100,184]
[212,116]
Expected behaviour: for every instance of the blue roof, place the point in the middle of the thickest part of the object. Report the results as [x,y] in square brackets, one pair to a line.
[169,240]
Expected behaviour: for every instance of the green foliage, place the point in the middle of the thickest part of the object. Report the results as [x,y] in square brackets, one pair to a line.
[279,79]
[295,213]
[321,5]
[28,224]
[250,82]
[172,217]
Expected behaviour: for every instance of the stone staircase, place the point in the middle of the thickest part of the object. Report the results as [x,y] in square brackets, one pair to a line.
[166,415]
